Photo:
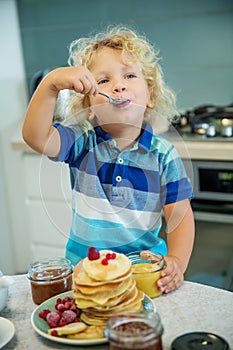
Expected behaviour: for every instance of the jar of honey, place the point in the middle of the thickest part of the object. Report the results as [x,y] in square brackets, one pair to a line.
[141,330]
[50,277]
[147,270]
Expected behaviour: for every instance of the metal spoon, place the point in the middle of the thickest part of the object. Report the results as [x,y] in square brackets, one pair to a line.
[114,101]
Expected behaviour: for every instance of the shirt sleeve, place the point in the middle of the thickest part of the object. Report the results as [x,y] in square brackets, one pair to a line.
[175,185]
[72,142]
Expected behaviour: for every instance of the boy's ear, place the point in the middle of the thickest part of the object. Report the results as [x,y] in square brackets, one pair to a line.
[149,103]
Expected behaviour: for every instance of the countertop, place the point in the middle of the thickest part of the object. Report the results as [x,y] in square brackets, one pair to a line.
[201,148]
[193,307]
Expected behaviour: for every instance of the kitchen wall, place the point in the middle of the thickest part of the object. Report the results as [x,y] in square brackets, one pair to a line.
[196,46]
[194,37]
[13,95]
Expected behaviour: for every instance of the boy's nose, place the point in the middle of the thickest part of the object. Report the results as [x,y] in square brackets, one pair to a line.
[119,87]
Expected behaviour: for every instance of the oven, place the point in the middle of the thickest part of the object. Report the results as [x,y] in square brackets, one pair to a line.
[212,258]
[213,191]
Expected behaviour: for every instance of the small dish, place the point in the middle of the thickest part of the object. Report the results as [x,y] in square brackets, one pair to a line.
[7,331]
[3,297]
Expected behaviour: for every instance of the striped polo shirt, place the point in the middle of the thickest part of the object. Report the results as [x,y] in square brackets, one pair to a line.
[118,196]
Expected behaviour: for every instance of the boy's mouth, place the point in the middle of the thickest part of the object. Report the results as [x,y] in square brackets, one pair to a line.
[123,104]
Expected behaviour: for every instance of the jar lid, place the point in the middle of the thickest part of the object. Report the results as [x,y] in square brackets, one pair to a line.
[146,261]
[199,341]
[49,269]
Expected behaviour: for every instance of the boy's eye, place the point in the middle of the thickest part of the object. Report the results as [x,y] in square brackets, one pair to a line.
[102,81]
[130,76]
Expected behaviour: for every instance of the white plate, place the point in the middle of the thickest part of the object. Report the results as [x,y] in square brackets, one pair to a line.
[41,327]
[7,330]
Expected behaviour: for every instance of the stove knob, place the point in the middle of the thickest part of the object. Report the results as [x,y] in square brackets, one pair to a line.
[211,131]
[226,131]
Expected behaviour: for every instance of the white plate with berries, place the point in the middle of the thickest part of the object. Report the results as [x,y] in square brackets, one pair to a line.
[45,318]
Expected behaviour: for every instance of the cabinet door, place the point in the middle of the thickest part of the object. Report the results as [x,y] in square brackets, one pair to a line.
[48,205]
[46,179]
[49,222]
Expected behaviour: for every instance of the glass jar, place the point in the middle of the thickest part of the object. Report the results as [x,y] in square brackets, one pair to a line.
[147,270]
[50,277]
[141,330]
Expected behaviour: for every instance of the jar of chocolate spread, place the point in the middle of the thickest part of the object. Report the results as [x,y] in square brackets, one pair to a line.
[50,277]
[141,330]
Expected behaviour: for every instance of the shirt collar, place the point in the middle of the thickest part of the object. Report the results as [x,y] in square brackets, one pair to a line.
[144,140]
[146,136]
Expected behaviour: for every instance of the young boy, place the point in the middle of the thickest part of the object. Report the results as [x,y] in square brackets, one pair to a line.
[123,175]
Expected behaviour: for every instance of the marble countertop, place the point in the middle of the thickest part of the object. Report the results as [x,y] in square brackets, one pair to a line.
[195,149]
[191,308]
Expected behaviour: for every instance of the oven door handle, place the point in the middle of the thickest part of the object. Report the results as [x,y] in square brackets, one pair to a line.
[213,217]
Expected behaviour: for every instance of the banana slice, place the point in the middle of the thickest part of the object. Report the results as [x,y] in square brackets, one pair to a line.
[71,328]
[91,332]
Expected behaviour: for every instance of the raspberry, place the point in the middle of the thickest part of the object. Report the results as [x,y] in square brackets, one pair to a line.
[53,318]
[69,316]
[104,262]
[93,253]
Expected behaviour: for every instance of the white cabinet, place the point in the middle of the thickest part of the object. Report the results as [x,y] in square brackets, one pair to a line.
[48,205]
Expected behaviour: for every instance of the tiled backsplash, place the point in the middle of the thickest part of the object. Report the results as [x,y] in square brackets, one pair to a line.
[194,37]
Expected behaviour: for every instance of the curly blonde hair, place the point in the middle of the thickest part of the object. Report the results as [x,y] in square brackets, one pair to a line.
[82,52]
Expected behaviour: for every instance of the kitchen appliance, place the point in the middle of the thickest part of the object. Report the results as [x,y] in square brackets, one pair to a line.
[212,258]
[207,122]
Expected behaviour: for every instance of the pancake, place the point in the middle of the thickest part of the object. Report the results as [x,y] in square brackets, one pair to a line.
[82,279]
[115,268]
[89,303]
[101,319]
[102,297]
[92,320]
[105,288]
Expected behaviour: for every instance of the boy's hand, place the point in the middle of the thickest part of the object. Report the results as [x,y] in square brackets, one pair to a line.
[79,79]
[172,275]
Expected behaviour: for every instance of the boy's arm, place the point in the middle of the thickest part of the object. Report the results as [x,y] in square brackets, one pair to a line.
[180,231]
[38,131]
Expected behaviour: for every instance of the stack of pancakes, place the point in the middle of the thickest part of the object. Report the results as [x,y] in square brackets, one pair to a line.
[101,290]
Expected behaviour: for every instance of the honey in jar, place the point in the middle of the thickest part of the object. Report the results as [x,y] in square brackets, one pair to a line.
[146,273]
[50,277]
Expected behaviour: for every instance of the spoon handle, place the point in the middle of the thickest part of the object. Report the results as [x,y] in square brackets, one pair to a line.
[101,93]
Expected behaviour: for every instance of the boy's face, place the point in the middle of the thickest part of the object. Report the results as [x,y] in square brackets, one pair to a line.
[117,79]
